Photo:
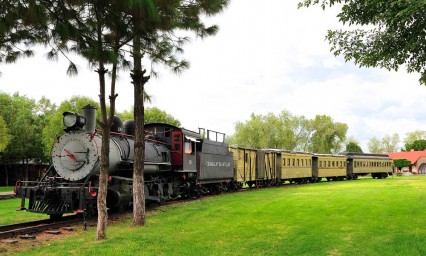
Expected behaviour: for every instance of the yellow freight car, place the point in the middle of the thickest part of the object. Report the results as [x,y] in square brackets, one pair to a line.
[268,166]
[245,163]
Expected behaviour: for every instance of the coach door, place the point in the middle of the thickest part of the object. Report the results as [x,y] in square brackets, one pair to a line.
[315,167]
[177,148]
[350,168]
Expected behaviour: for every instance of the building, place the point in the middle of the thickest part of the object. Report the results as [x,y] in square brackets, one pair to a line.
[417,159]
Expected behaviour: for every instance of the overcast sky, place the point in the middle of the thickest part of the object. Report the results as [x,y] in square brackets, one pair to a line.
[268,56]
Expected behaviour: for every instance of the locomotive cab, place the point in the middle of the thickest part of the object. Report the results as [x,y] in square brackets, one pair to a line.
[200,159]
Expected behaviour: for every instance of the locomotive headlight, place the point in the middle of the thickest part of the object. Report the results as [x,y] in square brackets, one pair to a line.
[73,120]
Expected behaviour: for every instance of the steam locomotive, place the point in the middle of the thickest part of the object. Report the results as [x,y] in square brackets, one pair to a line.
[178,164]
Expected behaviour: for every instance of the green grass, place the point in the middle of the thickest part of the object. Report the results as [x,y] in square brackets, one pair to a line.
[363,217]
[9,215]
[6,189]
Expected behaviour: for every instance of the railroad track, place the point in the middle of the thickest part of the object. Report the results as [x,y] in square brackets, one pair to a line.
[32,227]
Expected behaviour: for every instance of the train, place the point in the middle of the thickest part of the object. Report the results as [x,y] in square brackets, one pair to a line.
[178,163]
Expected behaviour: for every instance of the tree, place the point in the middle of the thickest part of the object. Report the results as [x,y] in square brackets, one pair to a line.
[20,28]
[353,146]
[152,115]
[25,126]
[390,143]
[387,33]
[375,146]
[327,136]
[4,135]
[401,163]
[411,137]
[156,115]
[417,145]
[154,27]
[386,144]
[286,131]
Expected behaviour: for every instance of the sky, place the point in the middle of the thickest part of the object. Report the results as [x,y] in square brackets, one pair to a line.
[268,56]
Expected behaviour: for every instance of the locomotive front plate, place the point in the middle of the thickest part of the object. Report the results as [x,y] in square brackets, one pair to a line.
[74,155]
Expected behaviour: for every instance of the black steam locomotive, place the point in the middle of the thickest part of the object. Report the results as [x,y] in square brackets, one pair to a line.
[178,163]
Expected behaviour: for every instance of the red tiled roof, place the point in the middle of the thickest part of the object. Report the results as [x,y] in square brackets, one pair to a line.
[412,156]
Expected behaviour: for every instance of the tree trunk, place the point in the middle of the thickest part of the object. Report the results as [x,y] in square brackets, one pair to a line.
[103,176]
[26,169]
[138,165]
[7,175]
[103,186]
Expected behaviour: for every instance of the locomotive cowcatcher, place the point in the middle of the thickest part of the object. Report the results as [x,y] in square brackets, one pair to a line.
[178,163]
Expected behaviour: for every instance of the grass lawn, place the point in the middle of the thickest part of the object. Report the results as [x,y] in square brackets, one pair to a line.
[362,217]
[6,189]
[9,215]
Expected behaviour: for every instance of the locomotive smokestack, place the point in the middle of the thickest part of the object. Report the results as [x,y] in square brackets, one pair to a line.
[90,115]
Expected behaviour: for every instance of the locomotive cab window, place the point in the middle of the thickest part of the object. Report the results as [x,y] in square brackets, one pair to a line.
[188,147]
[177,144]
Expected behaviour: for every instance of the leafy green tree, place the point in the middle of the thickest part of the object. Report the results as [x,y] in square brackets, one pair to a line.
[353,146]
[386,144]
[383,33]
[152,115]
[247,134]
[401,163]
[154,26]
[19,29]
[390,143]
[97,31]
[4,135]
[417,145]
[156,115]
[19,113]
[411,137]
[327,136]
[284,131]
[375,146]
[290,132]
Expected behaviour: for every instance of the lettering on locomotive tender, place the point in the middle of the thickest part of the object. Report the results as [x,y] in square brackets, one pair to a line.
[218,164]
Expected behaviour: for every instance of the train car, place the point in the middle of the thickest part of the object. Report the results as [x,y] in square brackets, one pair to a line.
[245,164]
[361,164]
[295,167]
[330,167]
[268,167]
